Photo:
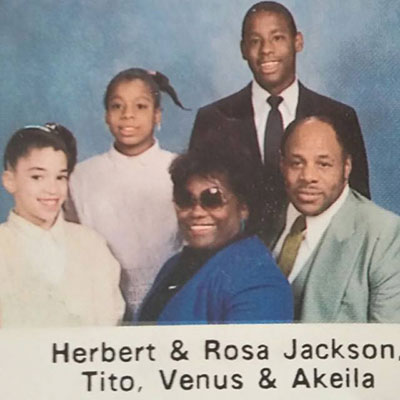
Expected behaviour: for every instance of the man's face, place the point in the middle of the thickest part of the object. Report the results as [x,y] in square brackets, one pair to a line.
[314,167]
[270,49]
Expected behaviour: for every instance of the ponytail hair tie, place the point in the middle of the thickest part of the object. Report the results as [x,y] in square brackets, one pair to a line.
[156,81]
[163,83]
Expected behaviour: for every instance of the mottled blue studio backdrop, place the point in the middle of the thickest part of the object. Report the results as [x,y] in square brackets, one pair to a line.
[56,58]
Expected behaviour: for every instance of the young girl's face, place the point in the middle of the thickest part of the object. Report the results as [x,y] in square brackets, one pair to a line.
[39,184]
[132,116]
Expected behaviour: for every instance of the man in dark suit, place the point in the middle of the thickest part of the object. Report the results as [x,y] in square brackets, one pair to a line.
[252,120]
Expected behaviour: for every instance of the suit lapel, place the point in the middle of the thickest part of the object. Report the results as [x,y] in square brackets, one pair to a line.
[276,225]
[241,115]
[331,265]
[305,106]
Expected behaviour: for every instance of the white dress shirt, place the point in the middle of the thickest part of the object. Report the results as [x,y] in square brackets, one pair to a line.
[128,200]
[316,226]
[63,276]
[261,108]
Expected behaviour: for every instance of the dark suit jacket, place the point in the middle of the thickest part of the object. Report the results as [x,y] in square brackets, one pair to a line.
[229,123]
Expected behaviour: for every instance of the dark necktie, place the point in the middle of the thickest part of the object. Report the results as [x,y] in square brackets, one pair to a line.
[273,135]
[291,245]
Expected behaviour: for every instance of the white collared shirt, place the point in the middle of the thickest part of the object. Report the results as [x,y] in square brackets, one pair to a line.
[316,226]
[261,108]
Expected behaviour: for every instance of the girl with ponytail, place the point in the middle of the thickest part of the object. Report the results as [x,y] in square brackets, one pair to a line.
[52,273]
[126,193]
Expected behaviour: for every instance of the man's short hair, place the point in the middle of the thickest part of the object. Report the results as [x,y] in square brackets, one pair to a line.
[272,7]
[338,127]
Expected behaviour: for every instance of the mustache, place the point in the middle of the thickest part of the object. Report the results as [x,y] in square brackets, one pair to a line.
[308,189]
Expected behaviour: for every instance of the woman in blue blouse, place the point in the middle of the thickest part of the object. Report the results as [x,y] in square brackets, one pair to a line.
[224,274]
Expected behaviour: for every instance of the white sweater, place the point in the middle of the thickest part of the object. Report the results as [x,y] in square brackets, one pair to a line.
[128,200]
[64,276]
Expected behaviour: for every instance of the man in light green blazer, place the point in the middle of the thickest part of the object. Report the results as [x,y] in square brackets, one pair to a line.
[344,263]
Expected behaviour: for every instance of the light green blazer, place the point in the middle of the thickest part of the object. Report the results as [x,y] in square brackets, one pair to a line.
[353,275]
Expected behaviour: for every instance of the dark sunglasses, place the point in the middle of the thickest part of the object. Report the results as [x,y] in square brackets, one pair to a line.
[209,199]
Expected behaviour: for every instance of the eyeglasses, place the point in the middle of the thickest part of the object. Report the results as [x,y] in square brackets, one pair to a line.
[209,199]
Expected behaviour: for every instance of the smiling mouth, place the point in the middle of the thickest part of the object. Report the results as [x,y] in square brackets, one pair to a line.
[200,229]
[49,203]
[268,67]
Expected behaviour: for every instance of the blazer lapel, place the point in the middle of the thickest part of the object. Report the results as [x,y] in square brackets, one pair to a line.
[331,265]
[241,115]
[275,226]
[305,106]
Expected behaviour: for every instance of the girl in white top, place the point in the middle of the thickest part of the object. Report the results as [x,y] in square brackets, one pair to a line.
[52,272]
[126,193]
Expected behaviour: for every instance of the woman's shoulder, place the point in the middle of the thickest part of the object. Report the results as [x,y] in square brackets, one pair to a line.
[92,163]
[248,247]
[245,259]
[3,226]
[90,171]
[5,232]
[164,157]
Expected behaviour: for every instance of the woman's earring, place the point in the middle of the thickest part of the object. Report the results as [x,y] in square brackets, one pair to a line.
[159,127]
[242,225]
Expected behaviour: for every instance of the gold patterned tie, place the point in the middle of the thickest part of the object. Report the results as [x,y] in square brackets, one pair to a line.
[291,245]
